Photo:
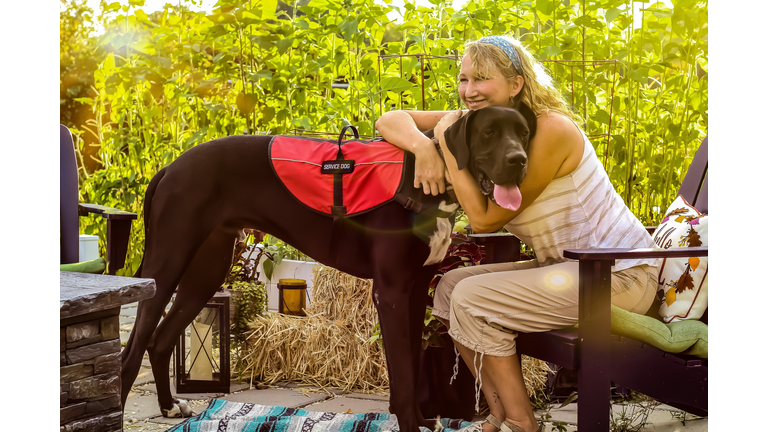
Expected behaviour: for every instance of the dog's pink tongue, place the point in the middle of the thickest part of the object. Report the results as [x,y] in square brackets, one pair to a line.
[508,197]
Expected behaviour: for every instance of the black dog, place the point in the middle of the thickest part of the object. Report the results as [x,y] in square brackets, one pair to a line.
[195,207]
[493,144]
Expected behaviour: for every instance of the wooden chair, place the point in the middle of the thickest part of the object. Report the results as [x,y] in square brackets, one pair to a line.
[600,357]
[118,221]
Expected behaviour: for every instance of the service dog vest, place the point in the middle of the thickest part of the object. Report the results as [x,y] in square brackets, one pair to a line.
[371,173]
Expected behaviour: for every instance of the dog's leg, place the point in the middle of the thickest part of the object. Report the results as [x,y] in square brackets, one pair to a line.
[171,244]
[401,298]
[203,277]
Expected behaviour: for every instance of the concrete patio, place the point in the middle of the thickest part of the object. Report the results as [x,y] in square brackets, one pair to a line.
[142,413]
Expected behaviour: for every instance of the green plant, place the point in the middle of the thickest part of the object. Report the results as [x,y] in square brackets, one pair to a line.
[634,412]
[169,80]
[251,303]
[275,250]
[251,299]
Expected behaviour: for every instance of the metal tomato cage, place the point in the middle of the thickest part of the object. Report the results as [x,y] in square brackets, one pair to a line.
[573,65]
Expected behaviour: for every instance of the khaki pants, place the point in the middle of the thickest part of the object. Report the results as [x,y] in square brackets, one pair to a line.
[487,305]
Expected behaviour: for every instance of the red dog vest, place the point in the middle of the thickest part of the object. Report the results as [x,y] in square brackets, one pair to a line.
[375,180]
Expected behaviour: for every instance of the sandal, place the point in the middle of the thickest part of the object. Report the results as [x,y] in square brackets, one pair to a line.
[478,426]
[510,427]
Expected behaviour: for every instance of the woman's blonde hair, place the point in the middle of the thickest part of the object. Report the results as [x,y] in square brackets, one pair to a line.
[538,90]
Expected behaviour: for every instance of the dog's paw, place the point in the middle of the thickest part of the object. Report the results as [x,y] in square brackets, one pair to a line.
[180,409]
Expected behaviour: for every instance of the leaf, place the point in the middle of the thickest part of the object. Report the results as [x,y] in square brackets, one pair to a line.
[222,18]
[684,283]
[395,85]
[694,239]
[268,9]
[602,116]
[670,297]
[694,262]
[284,44]
[246,102]
[268,267]
[612,13]
[676,211]
[550,51]
[571,397]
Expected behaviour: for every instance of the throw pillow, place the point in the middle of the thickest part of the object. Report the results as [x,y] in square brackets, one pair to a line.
[686,337]
[96,266]
[682,281]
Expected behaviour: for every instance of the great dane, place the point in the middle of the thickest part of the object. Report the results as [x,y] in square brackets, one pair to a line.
[195,207]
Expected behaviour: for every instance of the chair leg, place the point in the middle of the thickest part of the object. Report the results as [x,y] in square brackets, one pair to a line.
[594,355]
[118,235]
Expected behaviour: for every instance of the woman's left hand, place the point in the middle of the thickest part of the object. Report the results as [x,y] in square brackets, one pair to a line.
[439,131]
[445,122]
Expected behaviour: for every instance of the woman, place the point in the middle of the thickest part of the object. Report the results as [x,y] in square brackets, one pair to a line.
[568,202]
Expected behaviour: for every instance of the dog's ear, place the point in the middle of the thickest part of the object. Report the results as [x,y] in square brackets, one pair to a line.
[457,139]
[529,116]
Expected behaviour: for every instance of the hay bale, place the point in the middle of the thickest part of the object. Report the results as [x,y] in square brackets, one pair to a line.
[329,347]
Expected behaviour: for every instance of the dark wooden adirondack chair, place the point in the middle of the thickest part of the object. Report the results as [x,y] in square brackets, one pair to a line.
[118,221]
[600,357]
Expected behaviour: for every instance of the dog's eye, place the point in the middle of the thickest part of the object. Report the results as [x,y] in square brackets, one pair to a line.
[525,133]
[490,132]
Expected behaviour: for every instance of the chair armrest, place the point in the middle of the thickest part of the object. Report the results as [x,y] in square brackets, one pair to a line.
[638,253]
[106,212]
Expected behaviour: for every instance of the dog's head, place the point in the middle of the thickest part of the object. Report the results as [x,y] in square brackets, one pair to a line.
[492,143]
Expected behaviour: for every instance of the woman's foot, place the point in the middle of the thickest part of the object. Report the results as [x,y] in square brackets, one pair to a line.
[508,426]
[490,424]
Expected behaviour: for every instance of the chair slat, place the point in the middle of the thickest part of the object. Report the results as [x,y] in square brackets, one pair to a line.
[695,176]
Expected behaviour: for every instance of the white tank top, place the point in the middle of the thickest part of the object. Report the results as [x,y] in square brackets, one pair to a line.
[581,210]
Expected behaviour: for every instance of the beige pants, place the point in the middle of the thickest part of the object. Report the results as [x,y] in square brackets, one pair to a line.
[487,305]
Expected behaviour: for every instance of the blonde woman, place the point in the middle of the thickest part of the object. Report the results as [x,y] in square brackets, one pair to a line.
[568,202]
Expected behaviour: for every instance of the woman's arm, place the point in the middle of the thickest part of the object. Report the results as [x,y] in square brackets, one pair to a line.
[403,129]
[554,142]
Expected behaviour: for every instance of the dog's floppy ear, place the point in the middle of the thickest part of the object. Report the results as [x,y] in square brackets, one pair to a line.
[457,139]
[529,116]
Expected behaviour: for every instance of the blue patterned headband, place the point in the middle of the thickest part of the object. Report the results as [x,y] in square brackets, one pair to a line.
[506,47]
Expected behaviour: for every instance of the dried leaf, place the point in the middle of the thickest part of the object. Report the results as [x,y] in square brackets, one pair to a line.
[685,282]
[677,211]
[693,238]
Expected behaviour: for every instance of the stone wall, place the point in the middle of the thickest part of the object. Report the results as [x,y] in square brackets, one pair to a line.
[90,373]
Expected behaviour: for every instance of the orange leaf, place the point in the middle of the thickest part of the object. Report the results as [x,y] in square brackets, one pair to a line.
[694,262]
[670,297]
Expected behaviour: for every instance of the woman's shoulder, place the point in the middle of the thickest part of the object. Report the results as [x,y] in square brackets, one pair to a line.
[557,134]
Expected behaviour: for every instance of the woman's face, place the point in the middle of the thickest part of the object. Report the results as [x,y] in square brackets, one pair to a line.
[478,93]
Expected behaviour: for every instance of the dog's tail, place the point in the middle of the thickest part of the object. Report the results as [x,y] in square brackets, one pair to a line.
[147,206]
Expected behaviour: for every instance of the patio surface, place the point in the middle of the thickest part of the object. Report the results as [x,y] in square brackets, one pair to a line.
[142,413]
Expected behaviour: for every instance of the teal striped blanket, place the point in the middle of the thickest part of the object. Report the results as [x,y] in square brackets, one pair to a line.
[225,416]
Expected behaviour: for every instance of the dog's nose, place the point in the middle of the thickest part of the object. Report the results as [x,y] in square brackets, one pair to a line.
[517,158]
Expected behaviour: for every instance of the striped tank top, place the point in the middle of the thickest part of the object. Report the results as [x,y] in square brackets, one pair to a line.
[581,210]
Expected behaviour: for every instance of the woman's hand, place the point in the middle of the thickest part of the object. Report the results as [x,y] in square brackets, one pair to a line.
[442,125]
[446,122]
[429,172]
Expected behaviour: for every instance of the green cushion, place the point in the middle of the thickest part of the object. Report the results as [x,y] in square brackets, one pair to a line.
[94,266]
[686,337]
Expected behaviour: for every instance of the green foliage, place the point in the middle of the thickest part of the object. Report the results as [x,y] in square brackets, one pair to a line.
[172,79]
[276,250]
[252,303]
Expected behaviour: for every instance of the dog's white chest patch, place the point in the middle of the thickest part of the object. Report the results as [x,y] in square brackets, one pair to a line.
[441,239]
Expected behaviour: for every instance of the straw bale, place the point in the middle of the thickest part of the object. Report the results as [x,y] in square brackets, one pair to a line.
[329,347]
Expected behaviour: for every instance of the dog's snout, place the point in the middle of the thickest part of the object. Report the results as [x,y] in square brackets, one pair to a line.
[517,158]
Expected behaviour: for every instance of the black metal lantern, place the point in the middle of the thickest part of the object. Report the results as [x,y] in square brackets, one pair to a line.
[202,355]
[292,296]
